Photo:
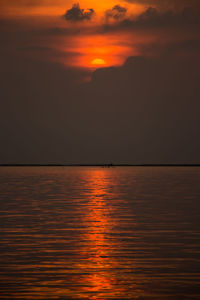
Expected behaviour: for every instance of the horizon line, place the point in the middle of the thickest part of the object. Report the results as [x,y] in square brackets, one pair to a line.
[99,165]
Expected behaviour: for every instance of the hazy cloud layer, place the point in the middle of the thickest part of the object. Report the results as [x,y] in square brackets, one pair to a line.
[146,111]
[76,14]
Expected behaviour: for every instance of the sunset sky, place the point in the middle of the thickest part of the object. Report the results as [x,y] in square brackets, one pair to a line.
[99,81]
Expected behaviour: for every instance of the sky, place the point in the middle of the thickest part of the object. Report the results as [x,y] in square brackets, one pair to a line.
[99,81]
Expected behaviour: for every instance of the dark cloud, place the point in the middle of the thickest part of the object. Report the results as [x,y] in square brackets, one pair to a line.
[153,18]
[155,32]
[36,48]
[117,12]
[155,105]
[175,48]
[76,14]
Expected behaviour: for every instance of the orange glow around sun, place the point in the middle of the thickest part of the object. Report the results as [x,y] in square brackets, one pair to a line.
[94,51]
[87,48]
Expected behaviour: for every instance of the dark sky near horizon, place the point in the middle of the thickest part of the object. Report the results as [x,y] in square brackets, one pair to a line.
[116,81]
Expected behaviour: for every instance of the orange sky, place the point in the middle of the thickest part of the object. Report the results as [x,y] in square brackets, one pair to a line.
[89,48]
[53,8]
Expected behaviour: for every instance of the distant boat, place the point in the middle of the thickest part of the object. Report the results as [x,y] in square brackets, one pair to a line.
[108,166]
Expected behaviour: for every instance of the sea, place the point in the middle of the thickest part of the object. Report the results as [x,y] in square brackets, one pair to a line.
[100,233]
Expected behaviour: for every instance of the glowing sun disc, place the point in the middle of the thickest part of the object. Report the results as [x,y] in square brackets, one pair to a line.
[98,61]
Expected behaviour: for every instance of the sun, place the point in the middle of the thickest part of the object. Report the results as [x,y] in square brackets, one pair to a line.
[98,61]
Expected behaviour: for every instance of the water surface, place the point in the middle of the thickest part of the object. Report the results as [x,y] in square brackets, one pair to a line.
[100,233]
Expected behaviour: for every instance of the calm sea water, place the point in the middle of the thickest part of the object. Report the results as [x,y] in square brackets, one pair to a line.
[100,233]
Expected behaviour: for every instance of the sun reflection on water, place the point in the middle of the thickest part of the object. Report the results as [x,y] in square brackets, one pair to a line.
[101,264]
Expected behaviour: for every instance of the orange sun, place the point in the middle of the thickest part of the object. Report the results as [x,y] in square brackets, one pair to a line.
[98,61]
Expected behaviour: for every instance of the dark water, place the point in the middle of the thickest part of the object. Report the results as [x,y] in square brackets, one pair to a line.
[98,233]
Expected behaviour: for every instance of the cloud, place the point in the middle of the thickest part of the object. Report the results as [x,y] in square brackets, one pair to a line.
[175,48]
[153,18]
[154,32]
[76,14]
[117,12]
[159,118]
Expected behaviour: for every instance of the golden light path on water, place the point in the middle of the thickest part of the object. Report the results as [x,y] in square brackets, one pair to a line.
[100,280]
[101,248]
